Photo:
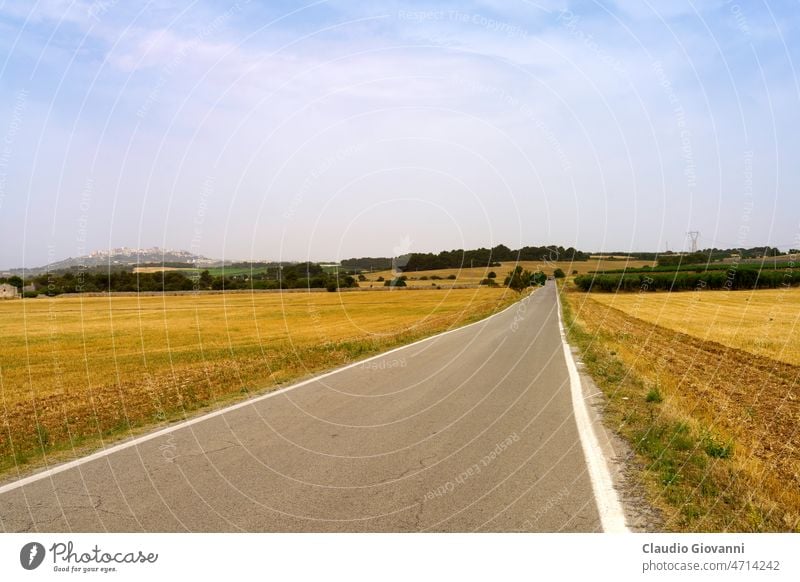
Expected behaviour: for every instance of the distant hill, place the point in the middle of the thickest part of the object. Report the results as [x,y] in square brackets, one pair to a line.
[123,257]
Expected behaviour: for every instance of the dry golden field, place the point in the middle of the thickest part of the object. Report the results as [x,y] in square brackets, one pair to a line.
[473,276]
[765,322]
[705,387]
[74,369]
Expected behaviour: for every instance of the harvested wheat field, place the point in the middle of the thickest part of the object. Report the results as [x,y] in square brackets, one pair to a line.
[705,386]
[474,275]
[765,322]
[75,369]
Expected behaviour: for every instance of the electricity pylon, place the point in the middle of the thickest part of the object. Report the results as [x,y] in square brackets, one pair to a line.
[694,235]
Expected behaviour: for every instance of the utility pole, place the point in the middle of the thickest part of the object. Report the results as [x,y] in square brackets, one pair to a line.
[694,235]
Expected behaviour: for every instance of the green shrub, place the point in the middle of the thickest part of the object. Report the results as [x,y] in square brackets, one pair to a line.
[653,396]
[716,449]
[400,282]
[538,278]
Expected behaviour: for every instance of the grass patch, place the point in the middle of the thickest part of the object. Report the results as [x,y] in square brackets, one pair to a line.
[717,449]
[654,396]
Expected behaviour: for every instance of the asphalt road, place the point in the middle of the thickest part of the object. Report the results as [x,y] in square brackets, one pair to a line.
[473,430]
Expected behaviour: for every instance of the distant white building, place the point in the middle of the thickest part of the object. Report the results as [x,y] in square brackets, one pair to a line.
[8,291]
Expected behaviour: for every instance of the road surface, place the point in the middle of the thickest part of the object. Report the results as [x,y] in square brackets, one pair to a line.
[473,430]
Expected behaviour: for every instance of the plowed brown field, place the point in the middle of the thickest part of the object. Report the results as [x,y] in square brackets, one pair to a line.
[713,395]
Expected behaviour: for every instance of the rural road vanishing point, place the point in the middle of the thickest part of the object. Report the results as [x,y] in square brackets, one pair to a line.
[471,430]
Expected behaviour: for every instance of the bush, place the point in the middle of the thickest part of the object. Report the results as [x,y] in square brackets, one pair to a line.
[558,274]
[492,275]
[538,278]
[30,294]
[379,279]
[400,282]
[518,279]
[362,278]
[331,287]
[451,277]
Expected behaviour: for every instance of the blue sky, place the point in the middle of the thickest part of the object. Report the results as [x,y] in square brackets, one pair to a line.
[333,129]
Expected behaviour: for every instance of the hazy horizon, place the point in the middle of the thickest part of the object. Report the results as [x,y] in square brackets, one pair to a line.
[356,256]
[334,130]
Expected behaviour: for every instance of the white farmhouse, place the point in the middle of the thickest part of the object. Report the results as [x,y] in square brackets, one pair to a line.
[8,291]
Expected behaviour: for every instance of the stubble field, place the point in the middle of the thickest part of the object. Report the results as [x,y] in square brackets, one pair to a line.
[764,322]
[474,275]
[78,370]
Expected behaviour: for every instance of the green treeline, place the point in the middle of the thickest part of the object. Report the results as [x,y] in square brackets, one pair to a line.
[698,268]
[299,276]
[483,257]
[732,278]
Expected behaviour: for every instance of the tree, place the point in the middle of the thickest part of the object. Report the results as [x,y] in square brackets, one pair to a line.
[205,279]
[518,279]
[538,278]
[558,274]
[361,277]
[331,287]
[492,275]
[15,281]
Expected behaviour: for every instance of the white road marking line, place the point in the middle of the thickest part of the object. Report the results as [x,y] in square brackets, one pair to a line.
[612,516]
